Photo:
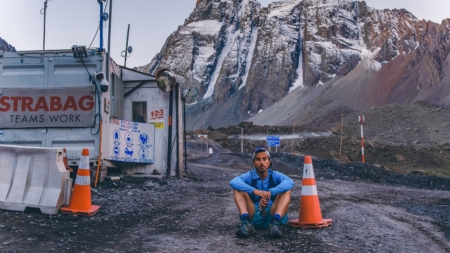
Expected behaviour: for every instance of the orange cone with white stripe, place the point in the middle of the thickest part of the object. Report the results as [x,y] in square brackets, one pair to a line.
[80,203]
[309,215]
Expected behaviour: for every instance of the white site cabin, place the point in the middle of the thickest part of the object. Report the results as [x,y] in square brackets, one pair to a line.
[57,98]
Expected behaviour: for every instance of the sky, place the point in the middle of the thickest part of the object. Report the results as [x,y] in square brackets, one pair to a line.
[75,22]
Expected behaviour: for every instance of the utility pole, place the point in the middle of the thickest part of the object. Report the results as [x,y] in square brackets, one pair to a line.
[126,47]
[109,41]
[342,132]
[242,140]
[45,16]
[293,132]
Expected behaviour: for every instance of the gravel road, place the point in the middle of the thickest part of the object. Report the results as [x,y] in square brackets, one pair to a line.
[198,214]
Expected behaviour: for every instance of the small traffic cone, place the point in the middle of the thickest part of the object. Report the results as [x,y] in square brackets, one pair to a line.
[309,215]
[80,203]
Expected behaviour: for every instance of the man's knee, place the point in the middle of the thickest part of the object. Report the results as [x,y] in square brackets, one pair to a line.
[286,194]
[240,193]
[237,192]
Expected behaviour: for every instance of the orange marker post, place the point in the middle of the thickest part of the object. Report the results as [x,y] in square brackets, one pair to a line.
[361,122]
[66,162]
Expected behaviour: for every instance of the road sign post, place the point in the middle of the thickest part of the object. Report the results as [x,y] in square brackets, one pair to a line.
[273,141]
[204,136]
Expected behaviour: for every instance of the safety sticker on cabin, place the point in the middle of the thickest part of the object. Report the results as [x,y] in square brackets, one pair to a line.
[116,135]
[116,151]
[143,153]
[129,137]
[159,125]
[128,152]
[131,142]
[143,138]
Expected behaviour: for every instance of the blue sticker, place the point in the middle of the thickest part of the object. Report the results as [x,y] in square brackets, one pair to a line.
[128,152]
[129,137]
[143,153]
[116,150]
[116,135]
[143,138]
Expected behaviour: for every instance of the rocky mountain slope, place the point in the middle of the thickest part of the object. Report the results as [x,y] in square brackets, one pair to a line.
[5,46]
[301,57]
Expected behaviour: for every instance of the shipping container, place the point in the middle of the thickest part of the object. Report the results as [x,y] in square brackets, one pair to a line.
[64,98]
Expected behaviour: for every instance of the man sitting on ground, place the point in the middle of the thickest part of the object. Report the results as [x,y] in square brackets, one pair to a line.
[262,197]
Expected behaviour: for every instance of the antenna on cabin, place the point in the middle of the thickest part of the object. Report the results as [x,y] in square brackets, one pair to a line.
[44,12]
[109,40]
[103,17]
[128,49]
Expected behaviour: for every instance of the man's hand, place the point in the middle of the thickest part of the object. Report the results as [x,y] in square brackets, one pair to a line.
[265,196]
[263,202]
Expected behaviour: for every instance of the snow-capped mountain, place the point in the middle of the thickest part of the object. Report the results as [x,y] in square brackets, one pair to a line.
[4,46]
[240,59]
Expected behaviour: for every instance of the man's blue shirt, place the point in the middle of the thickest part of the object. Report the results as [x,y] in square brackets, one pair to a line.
[275,182]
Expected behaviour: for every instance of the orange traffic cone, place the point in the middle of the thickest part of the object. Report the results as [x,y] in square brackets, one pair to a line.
[309,215]
[80,203]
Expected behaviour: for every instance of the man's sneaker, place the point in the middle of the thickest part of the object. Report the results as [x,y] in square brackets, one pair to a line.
[246,229]
[275,229]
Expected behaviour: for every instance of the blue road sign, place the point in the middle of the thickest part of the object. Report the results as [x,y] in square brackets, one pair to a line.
[273,140]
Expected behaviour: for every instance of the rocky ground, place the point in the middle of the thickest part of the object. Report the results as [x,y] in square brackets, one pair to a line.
[398,201]
[410,138]
[373,210]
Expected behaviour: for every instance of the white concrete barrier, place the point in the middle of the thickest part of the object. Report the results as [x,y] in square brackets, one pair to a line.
[32,177]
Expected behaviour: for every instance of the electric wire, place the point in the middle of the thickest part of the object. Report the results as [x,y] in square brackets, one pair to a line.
[90,77]
[97,92]
[97,115]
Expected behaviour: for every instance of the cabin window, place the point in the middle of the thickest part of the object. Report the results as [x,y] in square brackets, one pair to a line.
[140,112]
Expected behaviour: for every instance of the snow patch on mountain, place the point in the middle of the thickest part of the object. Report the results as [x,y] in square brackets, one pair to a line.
[244,4]
[368,59]
[202,60]
[232,35]
[254,36]
[299,81]
[284,9]
[205,27]
[327,3]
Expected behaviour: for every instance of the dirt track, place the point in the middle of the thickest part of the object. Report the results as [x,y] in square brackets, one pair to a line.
[190,215]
